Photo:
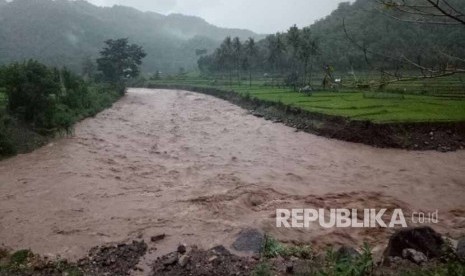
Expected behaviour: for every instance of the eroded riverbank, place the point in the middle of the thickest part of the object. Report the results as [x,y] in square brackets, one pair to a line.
[200,169]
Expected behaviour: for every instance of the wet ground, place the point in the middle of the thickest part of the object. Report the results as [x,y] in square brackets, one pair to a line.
[199,170]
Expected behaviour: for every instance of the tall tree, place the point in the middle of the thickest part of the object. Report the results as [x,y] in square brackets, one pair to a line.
[251,52]
[276,52]
[88,68]
[30,86]
[225,55]
[308,48]
[420,12]
[437,12]
[293,40]
[120,60]
[237,56]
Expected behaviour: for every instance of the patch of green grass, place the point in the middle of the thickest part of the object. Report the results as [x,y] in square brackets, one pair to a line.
[334,264]
[68,269]
[382,95]
[380,107]
[262,269]
[273,248]
[348,266]
[15,261]
[20,257]
[354,105]
[24,262]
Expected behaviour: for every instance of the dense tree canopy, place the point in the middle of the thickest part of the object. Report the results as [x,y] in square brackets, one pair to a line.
[120,60]
[360,36]
[31,88]
[47,100]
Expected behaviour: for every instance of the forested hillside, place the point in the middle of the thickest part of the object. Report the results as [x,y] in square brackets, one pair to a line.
[362,36]
[65,32]
[371,25]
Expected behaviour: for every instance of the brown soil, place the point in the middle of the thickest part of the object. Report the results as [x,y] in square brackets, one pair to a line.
[216,261]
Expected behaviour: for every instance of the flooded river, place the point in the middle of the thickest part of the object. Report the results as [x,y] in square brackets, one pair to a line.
[200,169]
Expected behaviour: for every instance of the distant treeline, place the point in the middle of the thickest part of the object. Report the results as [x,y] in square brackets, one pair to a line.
[360,36]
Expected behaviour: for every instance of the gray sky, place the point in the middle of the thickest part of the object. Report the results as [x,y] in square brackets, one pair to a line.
[262,16]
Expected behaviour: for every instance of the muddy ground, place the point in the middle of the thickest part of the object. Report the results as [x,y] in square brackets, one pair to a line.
[200,170]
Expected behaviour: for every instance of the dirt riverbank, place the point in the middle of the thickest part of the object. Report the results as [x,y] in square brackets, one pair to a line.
[440,136]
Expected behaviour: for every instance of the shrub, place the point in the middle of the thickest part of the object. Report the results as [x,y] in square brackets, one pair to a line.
[262,269]
[52,99]
[6,145]
[47,99]
[32,89]
[273,248]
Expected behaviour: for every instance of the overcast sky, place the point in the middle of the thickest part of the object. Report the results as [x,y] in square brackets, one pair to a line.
[262,16]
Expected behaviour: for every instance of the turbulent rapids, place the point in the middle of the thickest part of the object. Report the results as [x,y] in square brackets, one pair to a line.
[200,169]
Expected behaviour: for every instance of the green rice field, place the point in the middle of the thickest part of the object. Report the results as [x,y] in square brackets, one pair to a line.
[438,100]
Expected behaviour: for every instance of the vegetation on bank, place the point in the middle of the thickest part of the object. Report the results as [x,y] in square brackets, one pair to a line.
[366,35]
[347,262]
[441,100]
[409,79]
[39,101]
[120,260]
[24,262]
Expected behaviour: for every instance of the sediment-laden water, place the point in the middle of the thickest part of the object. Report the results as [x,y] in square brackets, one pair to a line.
[200,169]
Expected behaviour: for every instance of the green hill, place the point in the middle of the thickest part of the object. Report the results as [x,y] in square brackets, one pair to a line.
[65,32]
[367,22]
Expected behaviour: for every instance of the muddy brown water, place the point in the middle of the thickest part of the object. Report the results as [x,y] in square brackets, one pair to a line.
[200,169]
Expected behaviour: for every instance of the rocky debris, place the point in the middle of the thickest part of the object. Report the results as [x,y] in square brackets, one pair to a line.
[183,260]
[414,256]
[216,261]
[461,249]
[258,115]
[182,249]
[421,239]
[171,259]
[290,268]
[157,238]
[220,250]
[346,252]
[249,240]
[396,262]
[113,260]
[123,259]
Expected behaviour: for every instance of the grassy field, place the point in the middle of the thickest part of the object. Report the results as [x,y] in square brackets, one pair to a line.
[440,100]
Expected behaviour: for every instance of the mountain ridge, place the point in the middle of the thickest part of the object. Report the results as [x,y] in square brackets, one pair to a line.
[64,33]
